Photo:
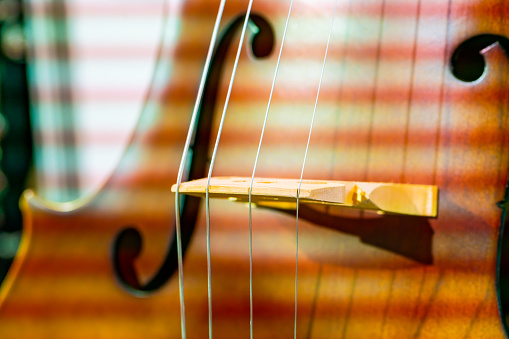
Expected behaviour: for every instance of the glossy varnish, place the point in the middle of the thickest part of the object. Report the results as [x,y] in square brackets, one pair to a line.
[390,110]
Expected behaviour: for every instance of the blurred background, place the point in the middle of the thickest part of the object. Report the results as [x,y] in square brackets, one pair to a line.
[73,78]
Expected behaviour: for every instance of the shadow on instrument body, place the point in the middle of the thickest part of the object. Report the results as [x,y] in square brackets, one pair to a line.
[360,275]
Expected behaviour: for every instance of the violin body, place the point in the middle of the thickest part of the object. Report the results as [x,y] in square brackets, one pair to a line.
[391,109]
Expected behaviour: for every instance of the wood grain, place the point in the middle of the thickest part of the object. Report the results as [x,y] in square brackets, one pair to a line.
[390,111]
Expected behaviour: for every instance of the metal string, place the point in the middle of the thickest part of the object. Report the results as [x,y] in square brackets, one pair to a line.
[183,162]
[303,166]
[213,159]
[254,171]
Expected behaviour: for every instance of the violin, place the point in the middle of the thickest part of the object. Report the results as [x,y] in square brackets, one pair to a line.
[386,91]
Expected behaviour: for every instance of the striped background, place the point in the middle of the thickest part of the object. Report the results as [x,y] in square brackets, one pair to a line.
[390,110]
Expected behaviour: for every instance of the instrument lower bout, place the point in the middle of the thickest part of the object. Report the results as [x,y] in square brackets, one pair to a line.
[399,104]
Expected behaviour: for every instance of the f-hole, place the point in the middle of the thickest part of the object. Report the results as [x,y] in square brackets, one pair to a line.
[129,242]
[468,64]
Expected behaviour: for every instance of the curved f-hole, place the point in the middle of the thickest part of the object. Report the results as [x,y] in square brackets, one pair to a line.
[127,244]
[126,248]
[262,42]
[468,64]
[467,61]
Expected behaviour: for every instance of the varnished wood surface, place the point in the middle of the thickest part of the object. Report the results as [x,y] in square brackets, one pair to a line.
[390,111]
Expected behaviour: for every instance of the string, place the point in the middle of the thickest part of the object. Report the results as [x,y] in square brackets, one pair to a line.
[254,172]
[342,78]
[213,159]
[303,167]
[406,136]
[443,89]
[345,47]
[411,90]
[183,161]
[374,92]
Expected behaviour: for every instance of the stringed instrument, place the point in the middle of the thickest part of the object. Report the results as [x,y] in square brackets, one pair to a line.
[398,93]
